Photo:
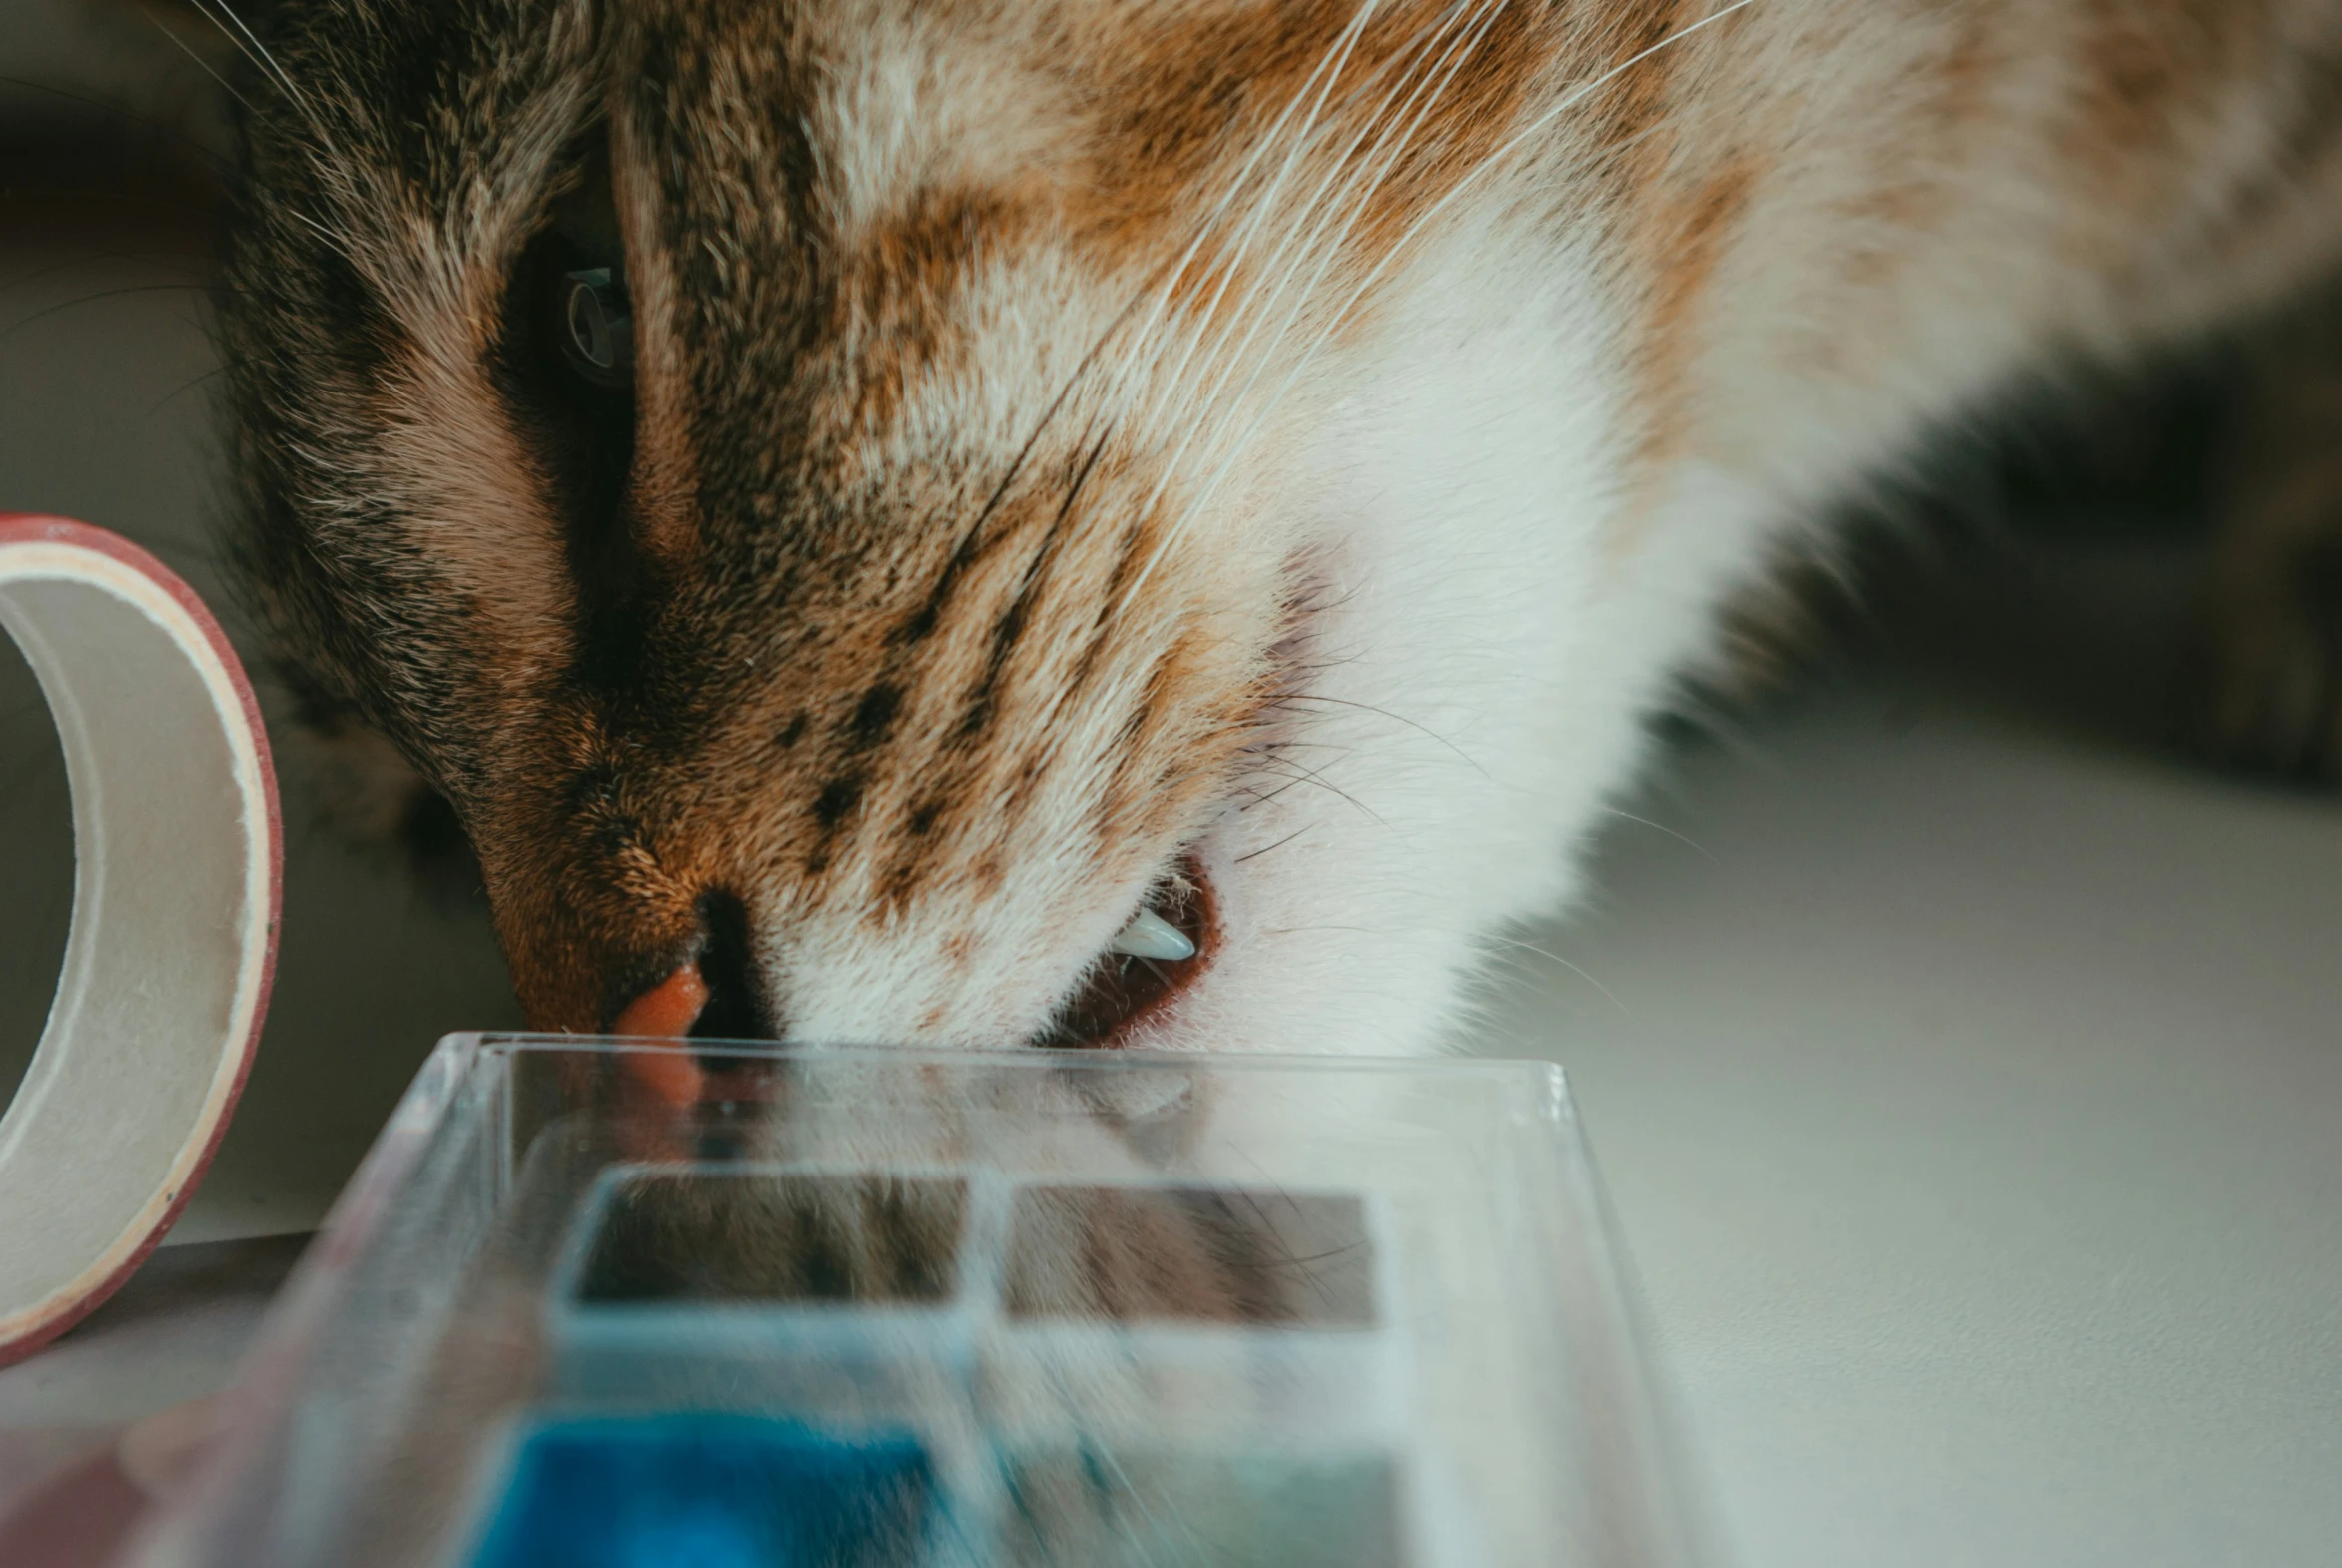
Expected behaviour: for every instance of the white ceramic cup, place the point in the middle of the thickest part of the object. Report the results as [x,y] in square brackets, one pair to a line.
[178,856]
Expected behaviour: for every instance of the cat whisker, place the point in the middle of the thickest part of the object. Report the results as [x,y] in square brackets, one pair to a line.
[1544,953]
[1299,774]
[88,258]
[1336,58]
[121,111]
[103,293]
[1390,146]
[226,366]
[1266,848]
[184,47]
[242,39]
[1423,94]
[1124,378]
[1271,747]
[1396,718]
[1690,843]
[1492,159]
[1330,66]
[1336,318]
[1174,387]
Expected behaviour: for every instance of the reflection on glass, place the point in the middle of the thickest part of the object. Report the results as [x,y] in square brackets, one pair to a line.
[1189,1254]
[743,1236]
[1096,1509]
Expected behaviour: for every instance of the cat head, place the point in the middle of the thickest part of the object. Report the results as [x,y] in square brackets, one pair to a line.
[865,499]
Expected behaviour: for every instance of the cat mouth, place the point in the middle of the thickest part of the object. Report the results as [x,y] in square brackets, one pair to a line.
[1164,949]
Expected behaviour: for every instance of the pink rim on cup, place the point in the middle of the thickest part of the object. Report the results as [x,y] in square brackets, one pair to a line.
[177,861]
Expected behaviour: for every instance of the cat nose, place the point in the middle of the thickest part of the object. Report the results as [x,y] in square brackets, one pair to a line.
[715,995]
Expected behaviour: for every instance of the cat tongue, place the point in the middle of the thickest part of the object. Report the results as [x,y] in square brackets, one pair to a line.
[666,1011]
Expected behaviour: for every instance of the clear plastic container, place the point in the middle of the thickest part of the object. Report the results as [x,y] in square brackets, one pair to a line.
[594,1302]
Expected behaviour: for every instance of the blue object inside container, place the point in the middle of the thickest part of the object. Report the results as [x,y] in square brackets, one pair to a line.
[710,1491]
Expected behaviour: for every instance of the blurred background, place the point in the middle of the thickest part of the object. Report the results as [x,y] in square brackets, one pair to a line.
[1966,1064]
[109,136]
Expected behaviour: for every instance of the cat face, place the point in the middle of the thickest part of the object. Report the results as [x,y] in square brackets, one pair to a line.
[865,499]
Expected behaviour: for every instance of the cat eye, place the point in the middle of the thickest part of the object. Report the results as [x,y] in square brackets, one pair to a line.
[598,325]
[565,360]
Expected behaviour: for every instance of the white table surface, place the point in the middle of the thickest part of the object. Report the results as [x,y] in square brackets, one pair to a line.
[1970,1090]
[1970,1100]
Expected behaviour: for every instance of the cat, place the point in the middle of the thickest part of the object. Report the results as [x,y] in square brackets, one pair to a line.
[1161,524]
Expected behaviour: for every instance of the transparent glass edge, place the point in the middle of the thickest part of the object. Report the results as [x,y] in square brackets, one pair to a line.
[1678,1531]
[259,1392]
[1439,1065]
[1537,1092]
